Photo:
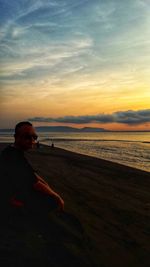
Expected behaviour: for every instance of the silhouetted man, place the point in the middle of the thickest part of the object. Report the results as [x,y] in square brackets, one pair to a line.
[22,187]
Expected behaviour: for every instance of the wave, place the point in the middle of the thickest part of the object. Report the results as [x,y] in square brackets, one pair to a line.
[88,140]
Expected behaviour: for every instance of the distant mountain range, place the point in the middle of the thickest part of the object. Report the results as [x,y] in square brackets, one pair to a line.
[71,129]
[68,129]
[62,129]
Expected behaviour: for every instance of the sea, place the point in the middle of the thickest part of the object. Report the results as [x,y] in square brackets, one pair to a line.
[128,148]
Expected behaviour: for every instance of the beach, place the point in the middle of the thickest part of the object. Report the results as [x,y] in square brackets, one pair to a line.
[110,201]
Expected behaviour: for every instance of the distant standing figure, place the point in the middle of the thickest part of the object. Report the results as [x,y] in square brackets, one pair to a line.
[38,144]
[52,145]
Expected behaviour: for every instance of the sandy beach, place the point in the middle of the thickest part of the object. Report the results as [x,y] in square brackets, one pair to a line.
[110,204]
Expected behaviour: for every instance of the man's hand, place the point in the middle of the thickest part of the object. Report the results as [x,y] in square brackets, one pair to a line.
[47,190]
[60,202]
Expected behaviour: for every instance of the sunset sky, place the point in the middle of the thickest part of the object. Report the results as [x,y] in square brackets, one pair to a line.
[75,62]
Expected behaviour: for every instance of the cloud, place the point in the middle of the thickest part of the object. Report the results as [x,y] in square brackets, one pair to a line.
[129,117]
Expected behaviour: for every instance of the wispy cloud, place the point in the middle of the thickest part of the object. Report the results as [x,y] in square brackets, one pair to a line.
[44,33]
[129,117]
[33,58]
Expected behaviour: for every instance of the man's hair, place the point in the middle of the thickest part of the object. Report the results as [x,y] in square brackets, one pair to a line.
[20,124]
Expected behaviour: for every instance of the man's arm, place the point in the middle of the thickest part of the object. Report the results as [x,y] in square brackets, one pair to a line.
[43,187]
[39,178]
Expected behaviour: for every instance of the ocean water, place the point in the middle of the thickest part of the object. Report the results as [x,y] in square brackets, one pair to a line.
[128,148]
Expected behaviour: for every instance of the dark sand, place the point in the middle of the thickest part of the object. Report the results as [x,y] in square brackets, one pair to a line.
[109,207]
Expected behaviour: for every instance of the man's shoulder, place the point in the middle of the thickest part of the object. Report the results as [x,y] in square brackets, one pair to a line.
[10,152]
[5,158]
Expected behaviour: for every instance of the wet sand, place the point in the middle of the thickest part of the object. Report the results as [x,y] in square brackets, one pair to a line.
[110,202]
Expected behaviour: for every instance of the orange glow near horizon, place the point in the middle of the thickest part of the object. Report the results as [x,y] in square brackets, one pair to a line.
[110,126]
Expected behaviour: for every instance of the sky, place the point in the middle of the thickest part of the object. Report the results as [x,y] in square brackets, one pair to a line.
[76,63]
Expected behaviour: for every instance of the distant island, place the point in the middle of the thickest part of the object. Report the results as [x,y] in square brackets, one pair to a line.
[72,129]
[62,129]
[68,129]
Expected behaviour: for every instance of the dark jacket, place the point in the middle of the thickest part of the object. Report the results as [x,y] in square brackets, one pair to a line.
[16,176]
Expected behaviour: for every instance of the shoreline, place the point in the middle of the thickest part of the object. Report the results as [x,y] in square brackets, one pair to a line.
[4,144]
[116,161]
[111,201]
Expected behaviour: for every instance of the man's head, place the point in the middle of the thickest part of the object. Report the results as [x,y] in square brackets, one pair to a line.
[25,135]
